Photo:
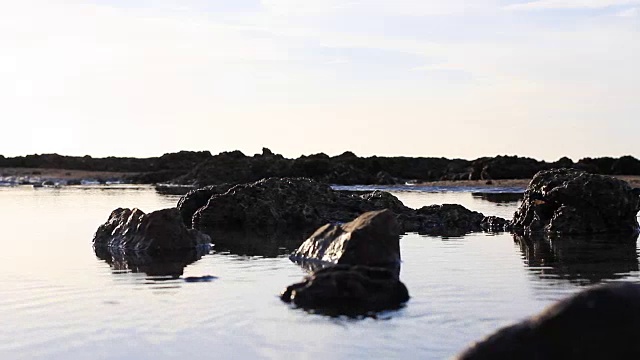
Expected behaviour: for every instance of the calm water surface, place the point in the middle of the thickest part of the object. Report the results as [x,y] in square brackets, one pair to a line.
[59,301]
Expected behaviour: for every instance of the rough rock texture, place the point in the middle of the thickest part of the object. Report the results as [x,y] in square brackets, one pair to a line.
[600,323]
[157,231]
[197,198]
[372,239]
[348,290]
[568,201]
[299,204]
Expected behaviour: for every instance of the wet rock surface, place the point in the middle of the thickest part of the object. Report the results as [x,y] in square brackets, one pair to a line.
[299,205]
[158,231]
[568,201]
[372,239]
[599,323]
[348,290]
[197,198]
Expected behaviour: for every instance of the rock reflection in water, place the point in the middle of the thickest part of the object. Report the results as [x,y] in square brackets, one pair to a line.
[169,265]
[252,244]
[499,198]
[582,260]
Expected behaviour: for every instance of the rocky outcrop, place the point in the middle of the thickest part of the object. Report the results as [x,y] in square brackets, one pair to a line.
[372,239]
[568,201]
[599,323]
[197,198]
[348,290]
[201,168]
[158,231]
[299,205]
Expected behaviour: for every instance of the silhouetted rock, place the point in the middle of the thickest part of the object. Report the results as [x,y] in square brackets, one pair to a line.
[348,290]
[568,201]
[372,239]
[584,260]
[599,323]
[157,231]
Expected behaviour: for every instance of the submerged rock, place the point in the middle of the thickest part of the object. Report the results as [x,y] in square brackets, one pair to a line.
[599,323]
[348,290]
[372,239]
[568,201]
[157,231]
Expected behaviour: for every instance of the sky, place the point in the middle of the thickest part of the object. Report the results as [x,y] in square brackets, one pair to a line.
[457,79]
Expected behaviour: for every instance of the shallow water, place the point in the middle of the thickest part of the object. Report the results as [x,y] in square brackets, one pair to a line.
[59,301]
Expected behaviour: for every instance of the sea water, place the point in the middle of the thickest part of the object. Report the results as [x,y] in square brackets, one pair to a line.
[59,301]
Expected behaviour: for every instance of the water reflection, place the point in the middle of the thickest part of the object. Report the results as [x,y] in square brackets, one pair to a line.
[168,265]
[246,243]
[499,197]
[581,260]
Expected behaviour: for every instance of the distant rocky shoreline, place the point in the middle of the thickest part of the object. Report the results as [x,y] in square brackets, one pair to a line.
[199,169]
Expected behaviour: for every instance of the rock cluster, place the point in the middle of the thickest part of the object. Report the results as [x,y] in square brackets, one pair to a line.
[363,259]
[568,201]
[299,204]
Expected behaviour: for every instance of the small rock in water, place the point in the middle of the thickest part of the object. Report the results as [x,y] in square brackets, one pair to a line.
[205,278]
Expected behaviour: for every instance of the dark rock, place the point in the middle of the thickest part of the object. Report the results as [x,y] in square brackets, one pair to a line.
[583,260]
[384,178]
[599,323]
[288,204]
[197,198]
[372,239]
[568,201]
[348,290]
[495,224]
[626,165]
[444,220]
[157,231]
[298,205]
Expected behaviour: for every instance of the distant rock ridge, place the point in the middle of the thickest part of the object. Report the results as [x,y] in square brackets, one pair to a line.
[202,168]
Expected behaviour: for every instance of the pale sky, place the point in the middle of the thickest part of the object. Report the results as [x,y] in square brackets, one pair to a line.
[450,78]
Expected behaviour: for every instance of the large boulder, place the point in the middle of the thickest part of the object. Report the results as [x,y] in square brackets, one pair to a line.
[298,205]
[158,231]
[568,201]
[599,323]
[371,239]
[348,290]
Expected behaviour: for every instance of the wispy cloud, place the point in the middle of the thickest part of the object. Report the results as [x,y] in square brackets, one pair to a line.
[571,4]
[632,12]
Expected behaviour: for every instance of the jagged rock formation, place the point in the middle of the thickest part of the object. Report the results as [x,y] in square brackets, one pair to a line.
[568,201]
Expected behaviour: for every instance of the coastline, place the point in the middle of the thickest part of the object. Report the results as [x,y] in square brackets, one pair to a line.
[31,175]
